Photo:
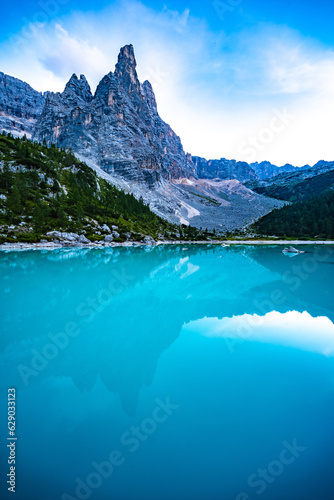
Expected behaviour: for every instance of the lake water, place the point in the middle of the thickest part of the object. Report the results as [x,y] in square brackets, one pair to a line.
[169,373]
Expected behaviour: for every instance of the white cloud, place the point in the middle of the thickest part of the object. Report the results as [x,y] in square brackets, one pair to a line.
[67,54]
[292,329]
[216,91]
[273,60]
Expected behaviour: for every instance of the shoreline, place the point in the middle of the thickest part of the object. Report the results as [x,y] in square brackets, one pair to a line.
[129,244]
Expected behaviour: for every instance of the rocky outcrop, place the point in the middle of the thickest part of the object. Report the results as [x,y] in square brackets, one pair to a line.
[119,128]
[68,239]
[223,169]
[266,170]
[20,106]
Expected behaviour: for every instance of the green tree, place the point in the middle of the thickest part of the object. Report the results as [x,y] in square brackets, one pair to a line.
[14,200]
[6,177]
[61,216]
[38,218]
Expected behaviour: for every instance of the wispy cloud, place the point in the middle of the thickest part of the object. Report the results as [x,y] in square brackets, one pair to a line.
[215,90]
[278,60]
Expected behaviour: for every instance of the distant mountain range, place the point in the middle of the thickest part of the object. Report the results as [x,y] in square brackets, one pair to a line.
[299,184]
[119,133]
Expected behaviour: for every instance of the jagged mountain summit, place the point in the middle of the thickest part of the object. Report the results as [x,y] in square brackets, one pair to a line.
[244,172]
[118,127]
[266,170]
[118,132]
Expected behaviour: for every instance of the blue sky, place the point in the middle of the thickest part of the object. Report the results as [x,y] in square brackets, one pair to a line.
[243,79]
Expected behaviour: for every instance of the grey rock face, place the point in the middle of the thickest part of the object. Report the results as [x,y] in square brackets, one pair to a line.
[242,171]
[293,177]
[20,106]
[266,170]
[119,128]
[78,87]
[224,169]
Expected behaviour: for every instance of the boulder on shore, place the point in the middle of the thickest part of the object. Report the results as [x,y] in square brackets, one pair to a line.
[292,250]
[68,238]
[109,238]
[149,241]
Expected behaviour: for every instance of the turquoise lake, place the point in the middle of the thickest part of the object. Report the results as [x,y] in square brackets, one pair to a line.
[169,373]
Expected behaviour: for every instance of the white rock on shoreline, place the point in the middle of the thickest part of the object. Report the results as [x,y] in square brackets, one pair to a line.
[60,237]
[53,245]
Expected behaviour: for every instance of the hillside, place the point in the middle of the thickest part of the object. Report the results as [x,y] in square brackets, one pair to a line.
[297,186]
[45,189]
[313,218]
[117,130]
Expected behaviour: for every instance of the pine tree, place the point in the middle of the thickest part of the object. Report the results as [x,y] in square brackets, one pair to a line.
[38,218]
[14,200]
[61,216]
[7,176]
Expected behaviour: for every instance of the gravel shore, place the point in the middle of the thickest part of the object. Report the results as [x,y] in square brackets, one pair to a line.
[52,246]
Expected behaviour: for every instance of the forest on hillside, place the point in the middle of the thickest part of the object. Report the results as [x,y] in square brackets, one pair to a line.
[47,188]
[312,218]
[291,189]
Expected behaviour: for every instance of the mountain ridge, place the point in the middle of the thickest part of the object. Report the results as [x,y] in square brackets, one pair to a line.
[22,110]
[118,127]
[118,132]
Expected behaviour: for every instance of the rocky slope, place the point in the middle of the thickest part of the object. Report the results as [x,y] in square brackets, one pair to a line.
[118,132]
[20,106]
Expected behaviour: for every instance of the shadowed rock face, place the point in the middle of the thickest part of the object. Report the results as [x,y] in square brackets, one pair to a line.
[119,128]
[266,170]
[224,169]
[20,105]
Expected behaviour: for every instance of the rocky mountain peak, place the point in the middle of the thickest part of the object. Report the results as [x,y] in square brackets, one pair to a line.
[79,86]
[125,70]
[150,96]
[127,57]
[119,129]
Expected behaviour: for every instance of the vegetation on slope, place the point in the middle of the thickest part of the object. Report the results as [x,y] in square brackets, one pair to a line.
[293,189]
[46,188]
[312,218]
